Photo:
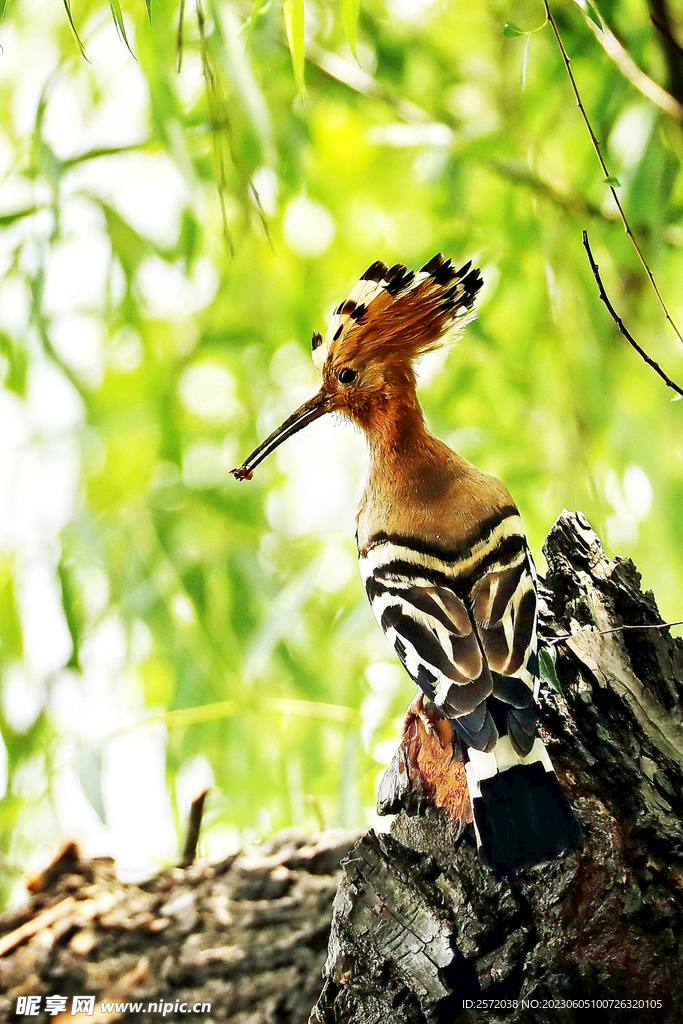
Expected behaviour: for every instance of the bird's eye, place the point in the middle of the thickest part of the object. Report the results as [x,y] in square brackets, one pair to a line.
[347,375]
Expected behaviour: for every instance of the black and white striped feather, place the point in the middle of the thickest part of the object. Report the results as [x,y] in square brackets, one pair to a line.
[462,620]
[400,307]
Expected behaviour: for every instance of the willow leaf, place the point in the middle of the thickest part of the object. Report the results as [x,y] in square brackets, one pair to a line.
[349,10]
[590,12]
[117,15]
[67,8]
[293,11]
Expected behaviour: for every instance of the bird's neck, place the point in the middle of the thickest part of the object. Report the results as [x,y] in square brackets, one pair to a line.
[395,429]
[403,452]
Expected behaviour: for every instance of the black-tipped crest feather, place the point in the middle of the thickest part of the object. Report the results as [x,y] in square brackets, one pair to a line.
[395,313]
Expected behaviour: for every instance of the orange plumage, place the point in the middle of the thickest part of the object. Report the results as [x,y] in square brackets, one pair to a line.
[443,555]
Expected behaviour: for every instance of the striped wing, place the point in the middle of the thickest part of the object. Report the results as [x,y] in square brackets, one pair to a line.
[463,623]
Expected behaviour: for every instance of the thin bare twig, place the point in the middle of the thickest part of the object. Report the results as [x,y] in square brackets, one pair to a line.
[620,323]
[30,928]
[598,151]
[550,642]
[194,827]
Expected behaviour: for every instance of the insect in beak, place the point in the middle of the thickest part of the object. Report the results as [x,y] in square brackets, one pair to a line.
[311,410]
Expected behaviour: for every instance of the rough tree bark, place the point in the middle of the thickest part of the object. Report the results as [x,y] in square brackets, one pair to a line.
[420,924]
[247,935]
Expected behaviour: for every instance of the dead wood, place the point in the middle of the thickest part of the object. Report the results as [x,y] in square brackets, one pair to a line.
[423,932]
[247,935]
[420,925]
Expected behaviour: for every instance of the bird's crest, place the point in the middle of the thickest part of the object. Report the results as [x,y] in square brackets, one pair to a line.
[393,312]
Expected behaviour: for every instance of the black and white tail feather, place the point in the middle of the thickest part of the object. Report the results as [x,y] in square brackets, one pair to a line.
[462,619]
[463,623]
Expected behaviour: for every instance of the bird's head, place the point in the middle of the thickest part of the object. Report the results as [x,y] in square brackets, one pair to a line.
[392,316]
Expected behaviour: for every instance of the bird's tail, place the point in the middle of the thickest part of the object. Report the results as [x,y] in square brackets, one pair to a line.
[521,816]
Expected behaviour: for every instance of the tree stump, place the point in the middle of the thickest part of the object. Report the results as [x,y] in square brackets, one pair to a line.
[424,932]
[421,930]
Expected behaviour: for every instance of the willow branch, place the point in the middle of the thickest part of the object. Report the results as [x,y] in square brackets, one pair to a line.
[355,78]
[598,151]
[359,81]
[520,174]
[352,76]
[620,323]
[617,52]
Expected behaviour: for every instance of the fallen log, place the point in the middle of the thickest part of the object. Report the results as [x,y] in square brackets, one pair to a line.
[246,937]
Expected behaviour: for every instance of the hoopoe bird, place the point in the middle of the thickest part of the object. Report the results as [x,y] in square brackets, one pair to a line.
[443,554]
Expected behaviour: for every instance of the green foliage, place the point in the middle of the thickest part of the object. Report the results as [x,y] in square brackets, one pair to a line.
[350,10]
[117,15]
[67,8]
[546,664]
[293,11]
[141,359]
[590,12]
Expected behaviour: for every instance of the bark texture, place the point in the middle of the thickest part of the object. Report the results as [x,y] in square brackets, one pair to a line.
[422,931]
[247,935]
[420,925]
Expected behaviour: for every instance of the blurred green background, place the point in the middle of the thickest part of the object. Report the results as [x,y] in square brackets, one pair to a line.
[169,241]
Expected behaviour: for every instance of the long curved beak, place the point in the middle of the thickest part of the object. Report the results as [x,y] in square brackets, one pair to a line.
[305,414]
